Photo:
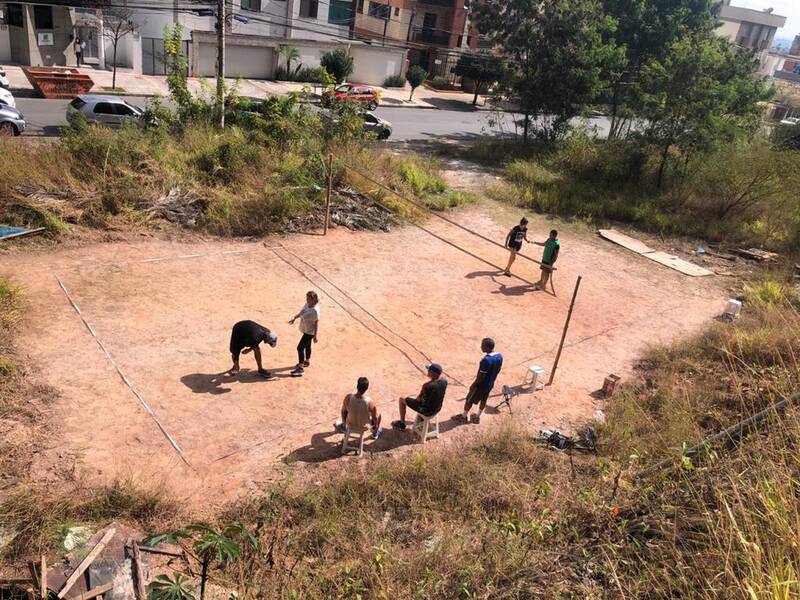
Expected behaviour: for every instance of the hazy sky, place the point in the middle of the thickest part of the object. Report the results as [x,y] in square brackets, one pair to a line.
[787,8]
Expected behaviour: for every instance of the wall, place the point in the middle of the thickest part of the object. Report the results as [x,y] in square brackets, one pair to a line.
[372,65]
[5,44]
[729,29]
[60,53]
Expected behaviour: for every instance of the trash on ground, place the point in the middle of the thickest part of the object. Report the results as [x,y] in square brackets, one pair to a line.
[8,233]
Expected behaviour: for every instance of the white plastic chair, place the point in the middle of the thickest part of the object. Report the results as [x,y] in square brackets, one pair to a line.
[422,427]
[346,448]
[533,375]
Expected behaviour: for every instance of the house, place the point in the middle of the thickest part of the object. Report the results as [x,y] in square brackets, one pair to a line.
[43,35]
[752,29]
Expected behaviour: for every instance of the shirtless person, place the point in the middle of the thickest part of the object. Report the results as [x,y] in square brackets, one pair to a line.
[245,337]
[359,411]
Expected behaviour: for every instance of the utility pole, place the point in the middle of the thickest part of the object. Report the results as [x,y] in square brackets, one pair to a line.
[386,24]
[411,25]
[221,61]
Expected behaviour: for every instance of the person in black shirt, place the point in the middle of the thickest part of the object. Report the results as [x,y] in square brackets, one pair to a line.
[429,400]
[514,241]
[246,336]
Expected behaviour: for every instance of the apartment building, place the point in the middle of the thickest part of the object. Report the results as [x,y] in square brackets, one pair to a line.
[44,35]
[753,29]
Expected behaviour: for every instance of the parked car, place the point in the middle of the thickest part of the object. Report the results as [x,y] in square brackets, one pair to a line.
[110,111]
[12,122]
[348,91]
[4,79]
[6,98]
[372,123]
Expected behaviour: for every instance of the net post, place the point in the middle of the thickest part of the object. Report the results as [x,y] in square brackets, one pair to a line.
[328,195]
[564,333]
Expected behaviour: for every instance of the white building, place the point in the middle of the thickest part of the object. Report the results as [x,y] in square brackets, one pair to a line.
[43,35]
[754,29]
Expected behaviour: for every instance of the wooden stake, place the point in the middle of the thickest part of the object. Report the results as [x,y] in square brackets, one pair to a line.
[139,573]
[43,578]
[328,195]
[564,333]
[86,562]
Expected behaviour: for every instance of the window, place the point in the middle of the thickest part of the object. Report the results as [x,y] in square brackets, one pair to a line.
[125,110]
[360,6]
[380,11]
[104,108]
[309,9]
[340,12]
[251,5]
[77,104]
[15,16]
[370,119]
[396,11]
[429,21]
[42,16]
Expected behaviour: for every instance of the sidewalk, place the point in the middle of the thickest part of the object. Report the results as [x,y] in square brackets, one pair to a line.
[132,84]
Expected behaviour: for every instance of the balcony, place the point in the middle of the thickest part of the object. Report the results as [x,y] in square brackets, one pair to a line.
[442,3]
[430,36]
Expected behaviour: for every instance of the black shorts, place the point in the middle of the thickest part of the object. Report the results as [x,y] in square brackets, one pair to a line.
[515,246]
[478,396]
[416,406]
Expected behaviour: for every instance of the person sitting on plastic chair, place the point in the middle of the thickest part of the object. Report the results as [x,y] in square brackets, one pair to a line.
[429,401]
[359,411]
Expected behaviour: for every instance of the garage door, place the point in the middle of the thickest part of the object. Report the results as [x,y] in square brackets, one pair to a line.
[249,62]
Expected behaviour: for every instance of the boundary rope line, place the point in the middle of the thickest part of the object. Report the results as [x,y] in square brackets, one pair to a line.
[123,377]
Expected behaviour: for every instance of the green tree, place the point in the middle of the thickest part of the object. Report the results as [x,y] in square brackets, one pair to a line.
[703,92]
[560,50]
[482,68]
[338,63]
[289,54]
[415,76]
[177,68]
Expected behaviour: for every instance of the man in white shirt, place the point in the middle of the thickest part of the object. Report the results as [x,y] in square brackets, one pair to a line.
[309,325]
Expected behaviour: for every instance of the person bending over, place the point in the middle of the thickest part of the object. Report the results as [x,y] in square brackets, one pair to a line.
[309,325]
[429,400]
[359,411]
[245,337]
[481,388]
[549,256]
[514,239]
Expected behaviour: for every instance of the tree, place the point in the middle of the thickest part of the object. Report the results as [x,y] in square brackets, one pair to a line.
[289,54]
[481,68]
[703,92]
[415,76]
[559,50]
[338,63]
[117,23]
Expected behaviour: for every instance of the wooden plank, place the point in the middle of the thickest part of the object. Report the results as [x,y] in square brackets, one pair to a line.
[139,573]
[43,579]
[94,592]
[34,576]
[673,262]
[612,235]
[86,562]
[152,550]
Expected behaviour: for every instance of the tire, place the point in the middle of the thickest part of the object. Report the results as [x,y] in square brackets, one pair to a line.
[372,105]
[8,129]
[384,135]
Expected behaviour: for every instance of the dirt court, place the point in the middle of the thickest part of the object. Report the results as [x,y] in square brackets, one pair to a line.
[389,303]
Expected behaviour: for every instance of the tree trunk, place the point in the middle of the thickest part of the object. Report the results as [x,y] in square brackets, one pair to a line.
[663,164]
[477,89]
[525,127]
[203,577]
[612,132]
[114,70]
[411,95]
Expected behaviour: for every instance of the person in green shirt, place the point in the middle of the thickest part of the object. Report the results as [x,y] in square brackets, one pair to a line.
[551,247]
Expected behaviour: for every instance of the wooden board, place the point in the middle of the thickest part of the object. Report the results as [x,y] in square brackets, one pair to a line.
[673,262]
[625,241]
[86,562]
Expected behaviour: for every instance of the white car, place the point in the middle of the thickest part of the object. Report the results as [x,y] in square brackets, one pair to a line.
[3,79]
[7,99]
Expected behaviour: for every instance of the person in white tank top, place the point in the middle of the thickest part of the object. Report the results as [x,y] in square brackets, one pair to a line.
[359,411]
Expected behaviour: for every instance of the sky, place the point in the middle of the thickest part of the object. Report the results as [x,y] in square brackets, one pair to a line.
[786,8]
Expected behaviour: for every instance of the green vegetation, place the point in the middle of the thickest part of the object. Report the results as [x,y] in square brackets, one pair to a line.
[394,81]
[304,74]
[415,76]
[482,69]
[338,63]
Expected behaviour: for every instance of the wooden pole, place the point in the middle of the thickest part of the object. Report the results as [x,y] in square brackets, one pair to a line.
[328,195]
[43,578]
[564,333]
[139,585]
[221,20]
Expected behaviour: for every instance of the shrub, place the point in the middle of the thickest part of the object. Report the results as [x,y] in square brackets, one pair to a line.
[338,63]
[303,74]
[394,81]
[440,82]
[415,76]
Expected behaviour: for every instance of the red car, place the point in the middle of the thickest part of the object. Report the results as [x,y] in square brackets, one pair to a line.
[360,93]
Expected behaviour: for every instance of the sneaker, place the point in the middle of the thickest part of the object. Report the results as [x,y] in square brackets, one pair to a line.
[339,427]
[298,372]
[460,418]
[475,418]
[266,374]
[377,433]
[401,425]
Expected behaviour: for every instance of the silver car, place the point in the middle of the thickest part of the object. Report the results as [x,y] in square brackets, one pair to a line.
[11,121]
[110,111]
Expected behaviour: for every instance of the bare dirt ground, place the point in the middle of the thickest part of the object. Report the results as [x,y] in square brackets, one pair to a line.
[390,302]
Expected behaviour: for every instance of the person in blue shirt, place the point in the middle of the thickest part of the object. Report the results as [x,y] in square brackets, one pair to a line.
[481,388]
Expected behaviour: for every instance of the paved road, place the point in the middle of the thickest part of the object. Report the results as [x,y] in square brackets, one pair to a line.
[410,124]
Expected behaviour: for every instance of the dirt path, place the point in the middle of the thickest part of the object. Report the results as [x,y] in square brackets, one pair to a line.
[390,302]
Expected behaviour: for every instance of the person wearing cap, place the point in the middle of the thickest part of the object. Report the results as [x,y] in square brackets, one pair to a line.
[359,411]
[309,325]
[245,337]
[429,400]
[549,256]
[514,239]
[481,388]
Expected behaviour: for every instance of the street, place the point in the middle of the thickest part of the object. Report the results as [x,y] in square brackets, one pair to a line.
[44,118]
